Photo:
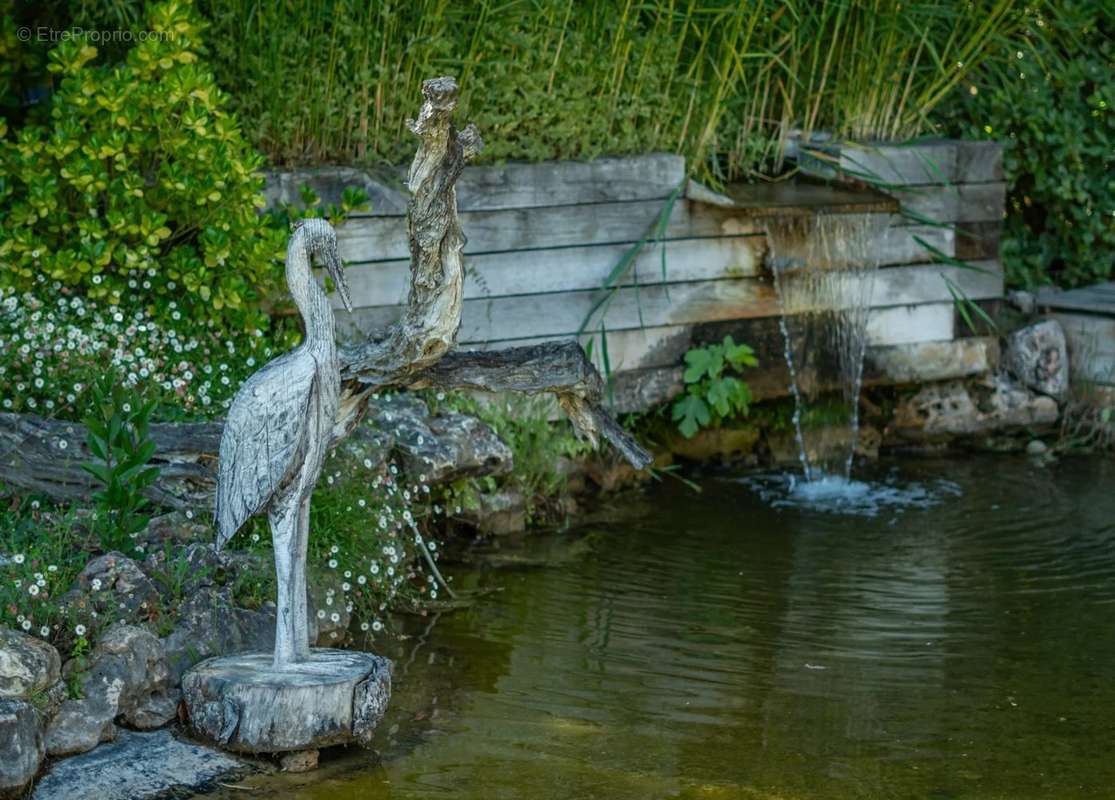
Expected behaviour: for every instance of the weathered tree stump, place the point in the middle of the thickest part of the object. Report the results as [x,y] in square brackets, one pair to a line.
[243,703]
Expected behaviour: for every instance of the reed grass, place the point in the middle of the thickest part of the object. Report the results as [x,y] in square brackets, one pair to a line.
[721,81]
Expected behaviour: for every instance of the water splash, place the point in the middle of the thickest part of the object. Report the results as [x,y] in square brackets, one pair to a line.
[824,273]
[836,495]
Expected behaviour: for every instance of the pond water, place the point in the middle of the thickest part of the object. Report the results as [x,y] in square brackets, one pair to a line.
[715,646]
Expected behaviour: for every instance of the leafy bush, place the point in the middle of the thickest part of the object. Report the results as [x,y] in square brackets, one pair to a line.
[140,187]
[712,394]
[118,439]
[1052,100]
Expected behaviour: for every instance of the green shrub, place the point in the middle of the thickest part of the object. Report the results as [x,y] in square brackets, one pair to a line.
[712,394]
[140,187]
[117,436]
[1052,100]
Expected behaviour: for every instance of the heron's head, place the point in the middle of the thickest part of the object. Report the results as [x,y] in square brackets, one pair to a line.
[321,242]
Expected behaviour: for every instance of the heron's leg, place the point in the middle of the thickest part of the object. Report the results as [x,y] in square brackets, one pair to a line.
[298,569]
[284,523]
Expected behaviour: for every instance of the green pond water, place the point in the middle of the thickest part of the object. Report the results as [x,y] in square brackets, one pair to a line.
[713,646]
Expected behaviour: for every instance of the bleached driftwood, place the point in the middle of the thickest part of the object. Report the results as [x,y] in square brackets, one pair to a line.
[416,352]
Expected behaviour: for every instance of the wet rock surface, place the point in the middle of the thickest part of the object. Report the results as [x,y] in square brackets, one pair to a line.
[127,680]
[1037,356]
[138,766]
[21,746]
[497,513]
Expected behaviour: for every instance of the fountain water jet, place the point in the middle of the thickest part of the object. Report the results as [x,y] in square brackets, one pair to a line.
[824,274]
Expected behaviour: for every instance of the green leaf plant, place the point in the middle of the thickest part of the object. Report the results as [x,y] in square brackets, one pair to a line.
[713,392]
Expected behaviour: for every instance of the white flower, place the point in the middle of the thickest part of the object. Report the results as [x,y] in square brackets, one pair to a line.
[33,589]
[44,631]
[346,586]
[332,563]
[377,625]
[364,626]
[335,617]
[321,614]
[360,579]
[367,463]
[375,569]
[18,558]
[96,584]
[334,549]
[79,630]
[26,625]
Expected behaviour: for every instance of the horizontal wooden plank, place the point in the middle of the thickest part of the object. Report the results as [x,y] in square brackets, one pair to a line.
[368,239]
[566,269]
[543,315]
[512,185]
[979,162]
[961,202]
[1098,299]
[641,389]
[1091,341]
[666,345]
[885,164]
[577,268]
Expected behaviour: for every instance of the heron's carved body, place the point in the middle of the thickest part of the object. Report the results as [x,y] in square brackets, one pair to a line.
[278,433]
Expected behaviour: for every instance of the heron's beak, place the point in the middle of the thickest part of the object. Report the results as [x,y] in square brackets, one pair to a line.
[337,273]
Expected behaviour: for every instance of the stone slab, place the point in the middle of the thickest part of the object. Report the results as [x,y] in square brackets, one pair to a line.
[243,703]
[138,766]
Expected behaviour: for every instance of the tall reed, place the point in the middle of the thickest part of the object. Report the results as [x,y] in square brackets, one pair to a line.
[720,81]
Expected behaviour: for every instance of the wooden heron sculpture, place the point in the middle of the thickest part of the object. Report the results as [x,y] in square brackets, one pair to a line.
[279,430]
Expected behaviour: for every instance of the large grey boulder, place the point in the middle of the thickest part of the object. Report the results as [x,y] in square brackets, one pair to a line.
[439,448]
[1037,356]
[114,583]
[21,746]
[957,408]
[138,766]
[128,680]
[28,666]
[209,624]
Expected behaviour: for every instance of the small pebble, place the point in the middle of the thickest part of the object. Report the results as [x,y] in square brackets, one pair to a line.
[1036,448]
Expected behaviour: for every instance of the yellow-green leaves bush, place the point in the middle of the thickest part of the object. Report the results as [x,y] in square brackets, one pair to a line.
[139,188]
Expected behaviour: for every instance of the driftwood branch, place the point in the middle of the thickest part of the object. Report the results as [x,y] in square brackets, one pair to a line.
[45,455]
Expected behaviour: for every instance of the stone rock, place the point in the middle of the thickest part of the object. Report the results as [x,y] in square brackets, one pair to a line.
[244,704]
[721,444]
[955,408]
[138,766]
[1024,301]
[117,582]
[499,513]
[1036,447]
[298,761]
[28,666]
[209,624]
[128,679]
[1037,355]
[177,527]
[21,746]
[442,448]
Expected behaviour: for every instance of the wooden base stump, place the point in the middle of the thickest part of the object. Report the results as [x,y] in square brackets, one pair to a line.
[244,704]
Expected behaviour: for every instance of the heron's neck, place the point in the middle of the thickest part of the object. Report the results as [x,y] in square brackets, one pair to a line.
[313,305]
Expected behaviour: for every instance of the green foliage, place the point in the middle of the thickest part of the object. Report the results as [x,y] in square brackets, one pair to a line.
[139,188]
[1050,96]
[50,353]
[118,438]
[720,82]
[713,393]
[352,199]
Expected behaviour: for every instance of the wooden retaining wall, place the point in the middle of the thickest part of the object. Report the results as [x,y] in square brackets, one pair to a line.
[543,238]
